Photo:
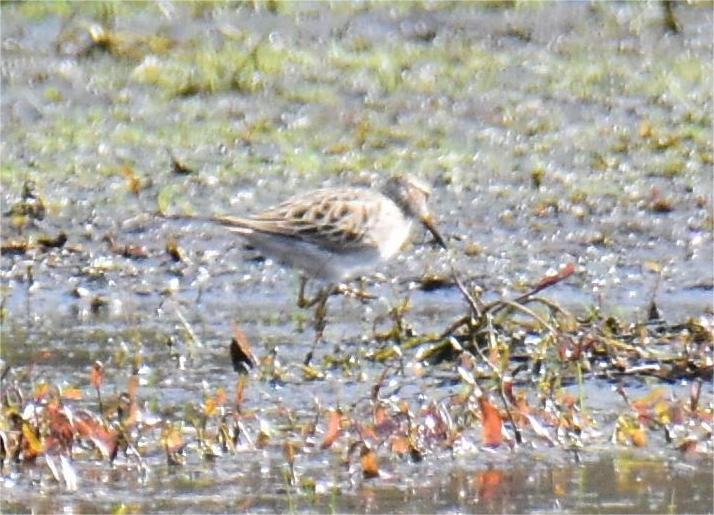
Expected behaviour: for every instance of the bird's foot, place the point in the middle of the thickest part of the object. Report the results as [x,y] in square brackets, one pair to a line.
[348,291]
[304,302]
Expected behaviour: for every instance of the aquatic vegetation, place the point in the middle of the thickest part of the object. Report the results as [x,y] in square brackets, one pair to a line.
[572,170]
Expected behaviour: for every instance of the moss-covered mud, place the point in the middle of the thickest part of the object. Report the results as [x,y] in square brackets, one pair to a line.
[553,133]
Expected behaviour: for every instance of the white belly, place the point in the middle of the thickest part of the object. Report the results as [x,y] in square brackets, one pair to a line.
[388,232]
[391,231]
[315,261]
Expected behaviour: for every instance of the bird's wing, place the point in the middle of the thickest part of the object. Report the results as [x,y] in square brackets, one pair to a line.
[337,219]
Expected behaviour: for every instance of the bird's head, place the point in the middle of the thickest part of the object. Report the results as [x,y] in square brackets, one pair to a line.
[412,195]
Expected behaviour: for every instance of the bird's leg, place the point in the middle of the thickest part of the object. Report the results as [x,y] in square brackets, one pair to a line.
[320,318]
[321,314]
[320,303]
[303,302]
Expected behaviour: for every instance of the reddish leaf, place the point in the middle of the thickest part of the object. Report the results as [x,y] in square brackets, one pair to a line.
[688,446]
[645,405]
[88,426]
[492,423]
[241,353]
[549,280]
[60,427]
[368,460]
[334,423]
[85,423]
[567,400]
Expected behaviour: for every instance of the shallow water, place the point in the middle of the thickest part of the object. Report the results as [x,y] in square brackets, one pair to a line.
[603,484]
[547,142]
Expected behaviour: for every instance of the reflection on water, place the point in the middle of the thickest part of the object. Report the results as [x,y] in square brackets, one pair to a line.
[607,483]
[611,123]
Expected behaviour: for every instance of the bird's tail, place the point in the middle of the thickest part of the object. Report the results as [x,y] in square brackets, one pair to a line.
[233,223]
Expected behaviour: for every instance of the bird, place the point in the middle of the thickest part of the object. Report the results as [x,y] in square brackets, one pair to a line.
[336,234]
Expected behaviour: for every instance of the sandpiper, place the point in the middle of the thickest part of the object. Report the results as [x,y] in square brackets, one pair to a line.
[339,233]
[336,234]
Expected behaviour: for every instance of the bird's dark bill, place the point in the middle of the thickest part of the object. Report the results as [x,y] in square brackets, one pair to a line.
[431,226]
